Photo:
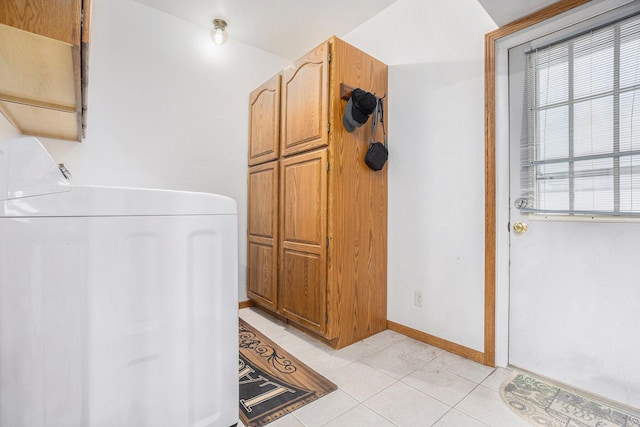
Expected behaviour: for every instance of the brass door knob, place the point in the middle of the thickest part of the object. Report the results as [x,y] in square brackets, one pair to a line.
[520,227]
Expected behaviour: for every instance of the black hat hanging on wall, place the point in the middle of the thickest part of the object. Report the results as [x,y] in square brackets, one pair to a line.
[360,106]
[378,153]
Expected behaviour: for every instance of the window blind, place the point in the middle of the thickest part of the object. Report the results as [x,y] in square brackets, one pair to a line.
[582,151]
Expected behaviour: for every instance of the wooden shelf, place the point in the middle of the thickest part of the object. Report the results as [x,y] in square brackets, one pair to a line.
[43,64]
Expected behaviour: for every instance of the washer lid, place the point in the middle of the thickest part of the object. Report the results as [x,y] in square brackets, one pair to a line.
[32,185]
[27,169]
[90,201]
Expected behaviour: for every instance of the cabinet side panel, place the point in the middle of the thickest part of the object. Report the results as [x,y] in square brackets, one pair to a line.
[357,206]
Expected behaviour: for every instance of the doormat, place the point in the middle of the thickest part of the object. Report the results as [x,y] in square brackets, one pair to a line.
[544,404]
[273,382]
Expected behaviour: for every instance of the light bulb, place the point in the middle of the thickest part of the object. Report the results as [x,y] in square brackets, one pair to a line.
[219,32]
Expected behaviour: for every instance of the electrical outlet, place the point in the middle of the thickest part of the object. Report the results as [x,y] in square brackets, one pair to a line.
[417,298]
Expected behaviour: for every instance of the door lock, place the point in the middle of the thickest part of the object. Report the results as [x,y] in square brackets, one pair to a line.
[520,227]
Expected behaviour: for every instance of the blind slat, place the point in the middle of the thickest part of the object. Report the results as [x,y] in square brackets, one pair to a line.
[582,155]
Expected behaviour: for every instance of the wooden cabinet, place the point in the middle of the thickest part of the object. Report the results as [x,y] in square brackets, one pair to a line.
[44,66]
[329,257]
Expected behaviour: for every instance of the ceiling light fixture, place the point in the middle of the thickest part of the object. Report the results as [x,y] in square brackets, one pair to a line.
[219,32]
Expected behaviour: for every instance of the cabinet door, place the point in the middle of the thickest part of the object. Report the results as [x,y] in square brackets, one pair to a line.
[305,108]
[303,231]
[262,230]
[264,122]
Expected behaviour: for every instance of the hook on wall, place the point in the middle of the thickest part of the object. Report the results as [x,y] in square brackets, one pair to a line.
[345,92]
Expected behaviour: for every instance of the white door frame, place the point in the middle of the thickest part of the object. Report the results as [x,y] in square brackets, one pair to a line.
[503,39]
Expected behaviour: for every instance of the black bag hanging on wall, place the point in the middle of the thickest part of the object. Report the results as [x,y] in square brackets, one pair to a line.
[377,154]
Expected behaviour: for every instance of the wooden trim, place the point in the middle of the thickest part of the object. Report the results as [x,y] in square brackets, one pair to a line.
[245,304]
[76,51]
[86,21]
[535,18]
[490,204]
[451,347]
[84,76]
[36,103]
[84,60]
[47,135]
[490,160]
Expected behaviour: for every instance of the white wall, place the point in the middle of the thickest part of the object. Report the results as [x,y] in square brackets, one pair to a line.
[435,50]
[167,108]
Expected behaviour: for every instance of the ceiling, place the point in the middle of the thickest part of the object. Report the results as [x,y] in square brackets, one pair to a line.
[289,28]
[505,11]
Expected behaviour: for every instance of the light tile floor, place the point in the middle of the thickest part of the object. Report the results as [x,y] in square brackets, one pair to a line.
[391,380]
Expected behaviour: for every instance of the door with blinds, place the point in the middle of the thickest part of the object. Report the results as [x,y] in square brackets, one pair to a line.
[575,207]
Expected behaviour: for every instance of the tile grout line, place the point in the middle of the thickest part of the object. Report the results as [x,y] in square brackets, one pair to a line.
[395,382]
[445,403]
[467,395]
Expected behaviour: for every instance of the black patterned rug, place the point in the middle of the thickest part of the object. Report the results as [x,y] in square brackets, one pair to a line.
[543,404]
[273,382]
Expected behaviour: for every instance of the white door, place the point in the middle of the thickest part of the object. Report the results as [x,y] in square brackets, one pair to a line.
[574,286]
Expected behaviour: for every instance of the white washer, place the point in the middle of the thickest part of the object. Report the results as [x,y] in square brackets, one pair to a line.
[118,306]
